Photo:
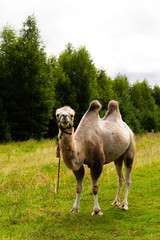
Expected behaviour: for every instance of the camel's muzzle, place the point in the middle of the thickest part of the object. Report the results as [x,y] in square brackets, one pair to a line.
[64,121]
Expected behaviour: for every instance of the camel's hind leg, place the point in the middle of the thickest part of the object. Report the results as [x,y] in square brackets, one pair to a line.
[128,161]
[96,171]
[118,164]
[79,178]
[128,168]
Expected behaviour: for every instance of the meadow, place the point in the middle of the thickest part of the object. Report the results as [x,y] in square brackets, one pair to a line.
[30,209]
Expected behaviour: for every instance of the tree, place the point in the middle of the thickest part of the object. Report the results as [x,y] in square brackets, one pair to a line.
[30,92]
[5,135]
[36,82]
[156,94]
[120,85]
[148,114]
[150,120]
[141,95]
[129,113]
[105,88]
[7,85]
[75,79]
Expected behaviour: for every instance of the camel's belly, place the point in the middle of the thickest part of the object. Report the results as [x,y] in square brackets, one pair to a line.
[115,145]
[111,156]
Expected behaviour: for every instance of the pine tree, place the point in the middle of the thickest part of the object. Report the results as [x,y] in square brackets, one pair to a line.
[29,94]
[7,85]
[5,135]
[35,83]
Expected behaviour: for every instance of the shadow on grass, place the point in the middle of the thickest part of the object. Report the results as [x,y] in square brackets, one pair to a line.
[62,225]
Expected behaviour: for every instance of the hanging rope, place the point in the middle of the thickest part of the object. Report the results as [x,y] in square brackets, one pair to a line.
[58,155]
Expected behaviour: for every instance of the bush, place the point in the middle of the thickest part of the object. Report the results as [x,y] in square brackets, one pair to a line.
[150,120]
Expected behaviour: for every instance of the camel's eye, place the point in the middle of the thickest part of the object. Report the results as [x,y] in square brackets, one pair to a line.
[71,115]
[57,115]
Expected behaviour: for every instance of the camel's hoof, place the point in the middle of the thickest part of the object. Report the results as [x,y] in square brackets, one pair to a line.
[74,210]
[123,207]
[99,213]
[115,203]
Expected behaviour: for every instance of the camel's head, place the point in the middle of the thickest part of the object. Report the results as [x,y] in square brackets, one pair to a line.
[65,117]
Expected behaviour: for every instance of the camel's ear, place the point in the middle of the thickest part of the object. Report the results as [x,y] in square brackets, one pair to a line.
[73,113]
[57,114]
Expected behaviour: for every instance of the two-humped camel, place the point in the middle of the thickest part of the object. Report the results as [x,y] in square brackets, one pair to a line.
[96,142]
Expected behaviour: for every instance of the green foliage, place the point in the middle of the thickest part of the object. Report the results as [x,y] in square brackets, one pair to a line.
[120,85]
[129,113]
[75,79]
[7,85]
[5,135]
[141,95]
[104,88]
[156,94]
[150,120]
[33,86]
[27,81]
[147,111]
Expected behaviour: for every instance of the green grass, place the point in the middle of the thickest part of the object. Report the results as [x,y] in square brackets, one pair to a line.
[29,208]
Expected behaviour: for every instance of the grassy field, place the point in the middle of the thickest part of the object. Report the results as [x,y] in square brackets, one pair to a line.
[29,208]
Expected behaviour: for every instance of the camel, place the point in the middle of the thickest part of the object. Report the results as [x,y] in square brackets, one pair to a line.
[97,141]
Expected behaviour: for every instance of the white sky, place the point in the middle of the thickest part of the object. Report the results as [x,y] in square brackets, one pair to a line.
[120,35]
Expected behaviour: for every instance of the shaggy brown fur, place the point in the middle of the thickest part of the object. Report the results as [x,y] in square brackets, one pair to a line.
[96,142]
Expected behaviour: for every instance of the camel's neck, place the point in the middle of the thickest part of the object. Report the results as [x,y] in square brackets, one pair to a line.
[72,157]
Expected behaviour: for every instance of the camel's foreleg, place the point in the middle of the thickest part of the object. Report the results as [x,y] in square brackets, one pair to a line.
[79,178]
[96,171]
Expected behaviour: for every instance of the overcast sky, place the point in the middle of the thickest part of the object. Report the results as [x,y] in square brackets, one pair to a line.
[120,35]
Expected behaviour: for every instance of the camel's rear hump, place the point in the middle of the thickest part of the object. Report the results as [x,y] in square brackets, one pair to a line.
[113,110]
[113,105]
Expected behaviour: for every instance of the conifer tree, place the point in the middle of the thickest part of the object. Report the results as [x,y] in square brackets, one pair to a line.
[7,85]
[30,93]
[5,135]
[34,81]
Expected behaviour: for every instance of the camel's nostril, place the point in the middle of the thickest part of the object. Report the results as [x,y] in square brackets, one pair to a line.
[64,117]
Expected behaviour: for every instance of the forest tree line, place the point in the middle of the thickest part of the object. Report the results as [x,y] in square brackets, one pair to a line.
[33,86]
